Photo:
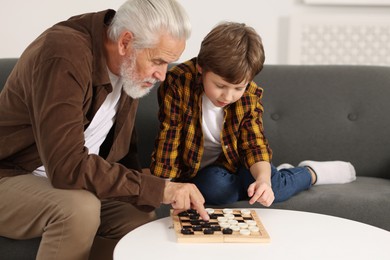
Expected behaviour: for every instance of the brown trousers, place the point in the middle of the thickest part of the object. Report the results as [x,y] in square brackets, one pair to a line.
[67,220]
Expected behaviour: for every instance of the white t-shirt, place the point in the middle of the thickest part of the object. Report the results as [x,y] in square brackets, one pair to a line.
[104,118]
[212,123]
[96,132]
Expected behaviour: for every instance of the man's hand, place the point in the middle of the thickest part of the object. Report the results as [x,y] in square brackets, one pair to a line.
[184,196]
[261,192]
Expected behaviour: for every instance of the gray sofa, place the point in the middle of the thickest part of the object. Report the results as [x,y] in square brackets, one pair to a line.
[311,112]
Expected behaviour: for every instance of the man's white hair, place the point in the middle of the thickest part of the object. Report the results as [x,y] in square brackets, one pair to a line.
[148,19]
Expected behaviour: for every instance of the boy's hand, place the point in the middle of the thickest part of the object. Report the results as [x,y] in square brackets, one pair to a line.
[261,191]
[184,196]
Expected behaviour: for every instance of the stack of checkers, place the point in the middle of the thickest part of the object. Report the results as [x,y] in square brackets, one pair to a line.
[225,225]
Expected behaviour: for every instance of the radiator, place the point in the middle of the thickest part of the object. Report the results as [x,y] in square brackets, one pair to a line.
[339,39]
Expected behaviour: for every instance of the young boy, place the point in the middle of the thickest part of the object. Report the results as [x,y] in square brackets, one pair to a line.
[211,131]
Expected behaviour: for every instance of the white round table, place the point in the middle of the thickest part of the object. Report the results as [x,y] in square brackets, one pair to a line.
[294,235]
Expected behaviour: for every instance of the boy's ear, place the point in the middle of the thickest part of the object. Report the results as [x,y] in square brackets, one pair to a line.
[199,68]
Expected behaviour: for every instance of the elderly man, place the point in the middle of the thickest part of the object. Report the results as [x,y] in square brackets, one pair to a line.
[68,163]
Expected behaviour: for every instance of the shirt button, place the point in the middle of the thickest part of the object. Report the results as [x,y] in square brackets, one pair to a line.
[226,147]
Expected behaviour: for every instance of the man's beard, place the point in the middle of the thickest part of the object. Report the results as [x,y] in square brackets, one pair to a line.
[132,85]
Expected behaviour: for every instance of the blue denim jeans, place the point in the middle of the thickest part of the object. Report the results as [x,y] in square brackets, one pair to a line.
[219,186]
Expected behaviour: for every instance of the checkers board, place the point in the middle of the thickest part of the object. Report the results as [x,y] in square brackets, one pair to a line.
[224,226]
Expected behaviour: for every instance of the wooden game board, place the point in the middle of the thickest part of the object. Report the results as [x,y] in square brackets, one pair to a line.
[190,228]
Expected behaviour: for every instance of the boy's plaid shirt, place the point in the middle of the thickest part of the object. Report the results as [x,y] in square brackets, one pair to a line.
[179,146]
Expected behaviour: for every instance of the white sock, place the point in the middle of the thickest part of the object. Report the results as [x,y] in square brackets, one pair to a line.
[284,166]
[331,172]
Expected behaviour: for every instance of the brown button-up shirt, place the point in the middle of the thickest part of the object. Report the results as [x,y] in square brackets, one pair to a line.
[48,101]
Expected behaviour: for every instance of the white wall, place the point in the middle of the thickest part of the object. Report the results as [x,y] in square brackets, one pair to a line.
[22,20]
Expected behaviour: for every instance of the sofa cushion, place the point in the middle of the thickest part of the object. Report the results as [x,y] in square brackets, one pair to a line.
[11,249]
[326,113]
[6,66]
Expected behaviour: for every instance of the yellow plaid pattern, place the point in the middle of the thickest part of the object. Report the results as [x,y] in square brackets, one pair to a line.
[179,145]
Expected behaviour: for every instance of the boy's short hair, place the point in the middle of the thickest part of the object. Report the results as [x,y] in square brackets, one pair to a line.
[233,51]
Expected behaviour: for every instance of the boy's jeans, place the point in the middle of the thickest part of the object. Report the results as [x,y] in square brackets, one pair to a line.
[219,186]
